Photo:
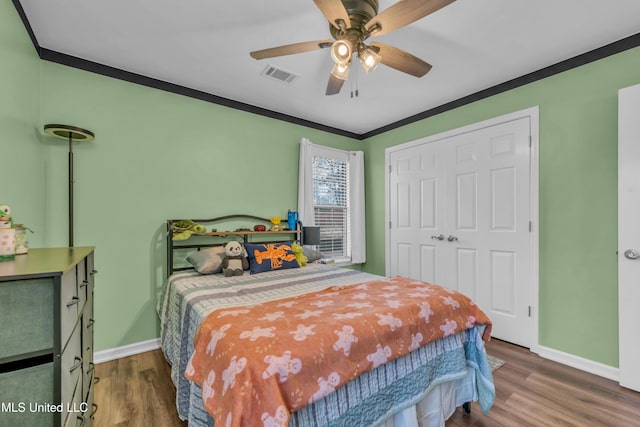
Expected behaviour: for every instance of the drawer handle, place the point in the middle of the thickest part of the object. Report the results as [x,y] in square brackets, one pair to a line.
[90,323]
[81,419]
[84,284]
[73,301]
[93,272]
[91,367]
[95,409]
[77,364]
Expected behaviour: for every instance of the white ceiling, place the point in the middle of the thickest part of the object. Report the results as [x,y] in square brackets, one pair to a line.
[205,45]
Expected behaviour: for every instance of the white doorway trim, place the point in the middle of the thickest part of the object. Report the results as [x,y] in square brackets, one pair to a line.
[533,115]
[628,236]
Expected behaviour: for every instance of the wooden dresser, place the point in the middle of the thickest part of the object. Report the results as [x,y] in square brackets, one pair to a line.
[46,338]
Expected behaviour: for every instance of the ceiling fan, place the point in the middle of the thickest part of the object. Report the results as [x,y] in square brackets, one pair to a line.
[351,23]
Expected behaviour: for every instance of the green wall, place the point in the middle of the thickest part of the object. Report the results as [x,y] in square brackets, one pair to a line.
[21,157]
[577,200]
[156,156]
[159,155]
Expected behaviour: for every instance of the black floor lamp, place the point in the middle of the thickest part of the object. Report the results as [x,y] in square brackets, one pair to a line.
[71,134]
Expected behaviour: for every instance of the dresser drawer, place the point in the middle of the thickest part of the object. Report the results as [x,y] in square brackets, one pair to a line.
[69,303]
[26,313]
[20,393]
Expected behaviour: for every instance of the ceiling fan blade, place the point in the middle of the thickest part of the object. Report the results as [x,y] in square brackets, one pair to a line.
[334,11]
[290,49]
[401,60]
[334,85]
[403,13]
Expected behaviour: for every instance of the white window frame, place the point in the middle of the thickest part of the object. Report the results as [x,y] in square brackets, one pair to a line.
[355,229]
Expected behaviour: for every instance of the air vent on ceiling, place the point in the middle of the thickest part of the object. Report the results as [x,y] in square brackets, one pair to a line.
[279,74]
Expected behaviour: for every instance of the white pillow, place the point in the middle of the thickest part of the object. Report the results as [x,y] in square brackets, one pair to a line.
[207,261]
[312,255]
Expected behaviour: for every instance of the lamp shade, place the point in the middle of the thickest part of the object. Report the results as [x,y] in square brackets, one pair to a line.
[369,59]
[310,235]
[69,133]
[341,51]
[341,71]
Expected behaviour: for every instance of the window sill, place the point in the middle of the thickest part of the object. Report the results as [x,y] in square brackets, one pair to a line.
[345,262]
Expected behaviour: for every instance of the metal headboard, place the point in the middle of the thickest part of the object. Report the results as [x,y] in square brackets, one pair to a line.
[218,238]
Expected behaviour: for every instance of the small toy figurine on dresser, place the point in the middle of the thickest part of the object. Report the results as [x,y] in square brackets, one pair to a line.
[7,235]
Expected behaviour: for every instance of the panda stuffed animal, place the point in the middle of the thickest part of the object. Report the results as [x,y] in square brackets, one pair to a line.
[235,261]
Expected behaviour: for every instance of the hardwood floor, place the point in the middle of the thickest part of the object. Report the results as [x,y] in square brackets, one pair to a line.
[136,391]
[530,391]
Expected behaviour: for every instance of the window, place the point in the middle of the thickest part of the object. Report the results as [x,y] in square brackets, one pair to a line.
[331,196]
[331,205]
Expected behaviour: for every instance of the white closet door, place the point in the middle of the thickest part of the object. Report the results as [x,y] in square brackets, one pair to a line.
[473,191]
[417,212]
[629,235]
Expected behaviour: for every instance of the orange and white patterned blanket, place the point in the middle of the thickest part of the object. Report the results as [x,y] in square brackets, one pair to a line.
[257,364]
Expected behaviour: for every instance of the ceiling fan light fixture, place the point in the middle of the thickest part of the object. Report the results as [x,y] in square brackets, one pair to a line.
[341,52]
[369,59]
[341,71]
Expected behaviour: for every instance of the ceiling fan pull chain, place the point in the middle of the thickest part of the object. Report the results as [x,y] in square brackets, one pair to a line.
[354,79]
[354,82]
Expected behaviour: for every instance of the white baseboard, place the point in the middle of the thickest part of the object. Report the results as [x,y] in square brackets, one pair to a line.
[577,362]
[126,350]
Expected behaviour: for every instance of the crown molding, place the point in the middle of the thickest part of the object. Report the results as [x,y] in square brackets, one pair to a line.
[94,67]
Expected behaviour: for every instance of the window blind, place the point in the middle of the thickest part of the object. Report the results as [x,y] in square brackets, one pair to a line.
[331,208]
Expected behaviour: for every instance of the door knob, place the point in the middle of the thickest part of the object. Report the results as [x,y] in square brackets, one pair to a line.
[438,237]
[632,254]
[452,238]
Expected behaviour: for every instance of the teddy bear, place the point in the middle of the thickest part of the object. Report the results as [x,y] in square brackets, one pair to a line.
[235,261]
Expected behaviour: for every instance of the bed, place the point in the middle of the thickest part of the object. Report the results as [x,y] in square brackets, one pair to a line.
[408,383]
